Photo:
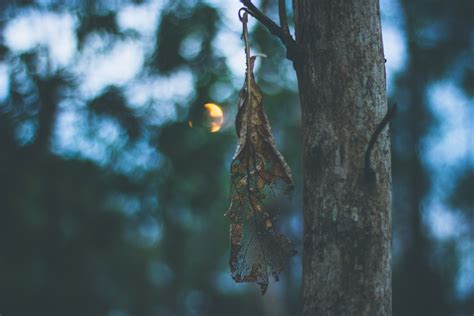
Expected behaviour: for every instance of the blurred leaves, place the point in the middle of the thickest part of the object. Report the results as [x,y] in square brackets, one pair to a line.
[93,22]
[197,25]
[112,103]
[439,44]
[3,51]
[441,32]
[468,81]
[463,197]
[50,90]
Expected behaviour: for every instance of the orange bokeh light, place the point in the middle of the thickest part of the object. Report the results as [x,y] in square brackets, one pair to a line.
[216,114]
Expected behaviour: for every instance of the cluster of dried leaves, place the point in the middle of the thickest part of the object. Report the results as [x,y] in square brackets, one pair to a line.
[259,174]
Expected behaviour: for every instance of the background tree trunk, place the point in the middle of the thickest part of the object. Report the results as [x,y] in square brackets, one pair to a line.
[347,221]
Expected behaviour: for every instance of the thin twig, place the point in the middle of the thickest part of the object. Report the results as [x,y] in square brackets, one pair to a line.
[369,172]
[293,51]
[245,34]
[283,18]
[296,15]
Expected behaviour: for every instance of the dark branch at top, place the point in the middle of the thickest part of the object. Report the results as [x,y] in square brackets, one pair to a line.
[293,50]
[283,19]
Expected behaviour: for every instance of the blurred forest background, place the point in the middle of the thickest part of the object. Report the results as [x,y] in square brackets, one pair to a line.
[110,204]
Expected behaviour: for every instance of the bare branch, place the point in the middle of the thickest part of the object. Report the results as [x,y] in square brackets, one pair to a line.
[369,173]
[296,16]
[283,18]
[293,51]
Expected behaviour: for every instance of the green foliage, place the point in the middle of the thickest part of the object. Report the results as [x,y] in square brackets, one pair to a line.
[424,280]
[112,103]
[462,196]
[468,81]
[101,23]
[181,22]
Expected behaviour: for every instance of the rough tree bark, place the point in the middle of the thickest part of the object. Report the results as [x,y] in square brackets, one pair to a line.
[340,65]
[347,217]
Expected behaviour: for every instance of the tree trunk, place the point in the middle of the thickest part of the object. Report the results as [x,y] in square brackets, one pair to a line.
[347,221]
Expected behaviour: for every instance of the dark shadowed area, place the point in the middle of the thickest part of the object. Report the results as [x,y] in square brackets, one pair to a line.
[114,177]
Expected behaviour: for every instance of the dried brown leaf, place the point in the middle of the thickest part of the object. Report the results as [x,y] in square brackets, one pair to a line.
[258,173]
